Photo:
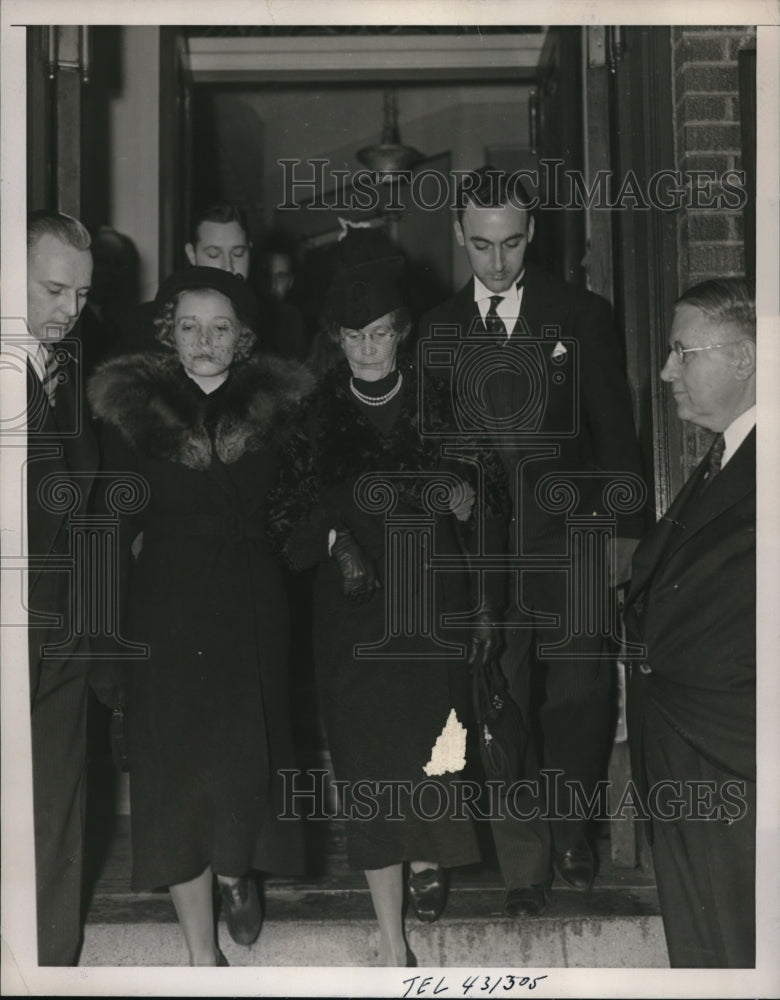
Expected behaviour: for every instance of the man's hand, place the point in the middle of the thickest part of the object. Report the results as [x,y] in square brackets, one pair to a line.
[357,570]
[108,682]
[462,501]
[620,562]
[483,642]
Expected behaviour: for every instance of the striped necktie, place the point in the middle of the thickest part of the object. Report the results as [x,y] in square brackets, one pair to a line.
[715,458]
[51,379]
[493,322]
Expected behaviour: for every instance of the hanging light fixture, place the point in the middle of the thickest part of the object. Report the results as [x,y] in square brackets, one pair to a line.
[390,156]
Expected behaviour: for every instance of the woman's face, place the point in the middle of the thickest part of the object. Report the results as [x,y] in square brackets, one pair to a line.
[371,351]
[205,331]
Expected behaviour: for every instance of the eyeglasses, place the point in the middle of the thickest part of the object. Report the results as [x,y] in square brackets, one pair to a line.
[375,336]
[679,351]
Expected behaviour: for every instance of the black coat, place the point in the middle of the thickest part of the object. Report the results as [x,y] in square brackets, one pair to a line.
[385,707]
[61,447]
[693,604]
[208,713]
[576,409]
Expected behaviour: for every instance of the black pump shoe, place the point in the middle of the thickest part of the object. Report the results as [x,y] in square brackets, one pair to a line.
[241,907]
[428,893]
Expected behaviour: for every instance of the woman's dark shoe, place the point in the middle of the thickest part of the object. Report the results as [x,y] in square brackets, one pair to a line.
[222,962]
[411,958]
[428,893]
[241,907]
[528,901]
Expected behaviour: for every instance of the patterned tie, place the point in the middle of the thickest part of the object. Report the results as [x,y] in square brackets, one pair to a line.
[715,459]
[493,322]
[50,378]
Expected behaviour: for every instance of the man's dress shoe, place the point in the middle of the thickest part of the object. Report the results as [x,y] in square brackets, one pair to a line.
[428,893]
[529,901]
[576,866]
[241,907]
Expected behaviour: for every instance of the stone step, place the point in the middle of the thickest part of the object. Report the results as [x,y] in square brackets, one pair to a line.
[327,919]
[338,929]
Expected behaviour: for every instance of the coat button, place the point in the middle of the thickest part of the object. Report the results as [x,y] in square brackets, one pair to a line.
[645,668]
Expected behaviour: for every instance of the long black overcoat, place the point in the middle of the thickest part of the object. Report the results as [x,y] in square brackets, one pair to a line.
[208,712]
[391,671]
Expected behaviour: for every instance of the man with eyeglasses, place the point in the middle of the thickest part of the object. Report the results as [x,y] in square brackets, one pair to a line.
[692,711]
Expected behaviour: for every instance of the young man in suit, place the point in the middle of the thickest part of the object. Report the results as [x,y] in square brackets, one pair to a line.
[692,697]
[61,463]
[536,370]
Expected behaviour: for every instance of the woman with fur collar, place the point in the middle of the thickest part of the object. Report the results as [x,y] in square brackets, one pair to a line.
[360,463]
[198,429]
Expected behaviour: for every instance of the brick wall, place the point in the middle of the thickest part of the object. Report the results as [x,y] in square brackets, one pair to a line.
[707,137]
[710,241]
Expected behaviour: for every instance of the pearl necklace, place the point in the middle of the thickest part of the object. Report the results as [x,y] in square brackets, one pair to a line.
[376,400]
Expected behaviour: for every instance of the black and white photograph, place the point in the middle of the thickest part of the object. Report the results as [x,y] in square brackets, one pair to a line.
[388,419]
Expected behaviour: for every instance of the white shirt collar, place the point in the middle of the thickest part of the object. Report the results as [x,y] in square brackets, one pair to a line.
[36,353]
[737,431]
[508,308]
[483,293]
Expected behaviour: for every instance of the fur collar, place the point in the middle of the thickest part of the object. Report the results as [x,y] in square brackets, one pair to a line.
[348,444]
[162,414]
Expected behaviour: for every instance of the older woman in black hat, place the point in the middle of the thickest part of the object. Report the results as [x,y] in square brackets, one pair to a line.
[207,710]
[393,695]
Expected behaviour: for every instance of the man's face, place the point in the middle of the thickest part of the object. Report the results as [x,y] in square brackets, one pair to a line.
[710,387]
[281,275]
[495,241]
[58,279]
[223,245]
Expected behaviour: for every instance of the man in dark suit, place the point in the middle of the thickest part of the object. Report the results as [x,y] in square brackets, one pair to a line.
[61,463]
[219,237]
[692,710]
[536,370]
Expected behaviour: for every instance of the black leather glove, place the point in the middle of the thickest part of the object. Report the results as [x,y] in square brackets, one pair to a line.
[357,570]
[108,682]
[483,643]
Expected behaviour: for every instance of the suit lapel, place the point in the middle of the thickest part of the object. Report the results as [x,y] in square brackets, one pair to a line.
[60,441]
[538,306]
[689,514]
[730,486]
[468,312]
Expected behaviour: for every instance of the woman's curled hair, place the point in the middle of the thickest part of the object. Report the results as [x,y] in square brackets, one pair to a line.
[164,321]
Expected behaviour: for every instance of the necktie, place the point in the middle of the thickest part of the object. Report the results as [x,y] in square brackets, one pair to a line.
[493,322]
[715,458]
[50,379]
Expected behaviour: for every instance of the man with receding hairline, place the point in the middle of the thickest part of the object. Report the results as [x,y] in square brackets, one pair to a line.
[60,448]
[692,604]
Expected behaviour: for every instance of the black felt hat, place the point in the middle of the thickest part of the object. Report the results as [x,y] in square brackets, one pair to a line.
[365,292]
[230,285]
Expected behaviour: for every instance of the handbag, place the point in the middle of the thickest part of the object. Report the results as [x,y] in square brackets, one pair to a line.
[501,729]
